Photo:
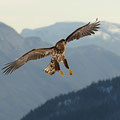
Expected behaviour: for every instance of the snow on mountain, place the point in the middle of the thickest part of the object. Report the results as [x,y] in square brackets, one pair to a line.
[114,28]
[52,33]
[107,36]
[104,35]
[105,89]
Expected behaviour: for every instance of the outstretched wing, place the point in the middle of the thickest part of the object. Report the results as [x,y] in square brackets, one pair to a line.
[31,55]
[85,30]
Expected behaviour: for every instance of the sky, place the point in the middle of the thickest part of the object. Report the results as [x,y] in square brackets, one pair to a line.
[21,14]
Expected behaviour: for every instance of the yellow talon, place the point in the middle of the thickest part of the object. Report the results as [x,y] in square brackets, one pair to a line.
[70,72]
[61,72]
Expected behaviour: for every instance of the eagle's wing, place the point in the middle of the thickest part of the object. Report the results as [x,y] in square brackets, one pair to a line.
[31,55]
[85,30]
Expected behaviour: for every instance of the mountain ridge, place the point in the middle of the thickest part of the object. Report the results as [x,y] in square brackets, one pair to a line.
[107,36]
[99,101]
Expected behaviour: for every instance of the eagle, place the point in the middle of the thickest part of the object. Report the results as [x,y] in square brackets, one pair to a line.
[57,52]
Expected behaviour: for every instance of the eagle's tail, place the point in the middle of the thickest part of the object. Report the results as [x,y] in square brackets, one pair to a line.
[50,69]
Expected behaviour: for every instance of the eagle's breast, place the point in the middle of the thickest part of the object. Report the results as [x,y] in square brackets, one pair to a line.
[60,47]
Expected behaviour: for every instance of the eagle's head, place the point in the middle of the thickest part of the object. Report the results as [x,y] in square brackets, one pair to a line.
[62,41]
[60,44]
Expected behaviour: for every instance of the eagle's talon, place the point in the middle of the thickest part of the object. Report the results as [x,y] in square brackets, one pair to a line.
[70,72]
[61,72]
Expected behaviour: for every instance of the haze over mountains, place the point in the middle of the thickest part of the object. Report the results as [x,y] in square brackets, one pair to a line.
[107,37]
[29,86]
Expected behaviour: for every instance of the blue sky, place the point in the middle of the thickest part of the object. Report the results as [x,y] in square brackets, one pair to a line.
[37,13]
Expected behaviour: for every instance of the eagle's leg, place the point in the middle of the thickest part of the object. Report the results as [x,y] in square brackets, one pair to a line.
[66,65]
[57,68]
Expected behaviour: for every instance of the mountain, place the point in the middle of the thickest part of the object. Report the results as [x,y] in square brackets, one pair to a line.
[52,33]
[10,40]
[107,36]
[99,101]
[35,42]
[29,86]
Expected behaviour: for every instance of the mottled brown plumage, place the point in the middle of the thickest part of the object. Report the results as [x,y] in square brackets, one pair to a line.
[56,51]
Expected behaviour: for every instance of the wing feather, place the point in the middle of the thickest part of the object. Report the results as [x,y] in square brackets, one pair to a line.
[85,30]
[31,55]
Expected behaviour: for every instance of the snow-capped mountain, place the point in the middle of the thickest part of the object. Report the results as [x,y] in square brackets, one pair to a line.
[29,86]
[107,37]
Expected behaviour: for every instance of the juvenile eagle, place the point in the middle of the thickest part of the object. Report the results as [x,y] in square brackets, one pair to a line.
[56,51]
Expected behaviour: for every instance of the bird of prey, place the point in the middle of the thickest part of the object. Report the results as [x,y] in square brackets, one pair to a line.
[56,51]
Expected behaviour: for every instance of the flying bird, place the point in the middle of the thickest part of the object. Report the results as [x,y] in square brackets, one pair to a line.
[56,51]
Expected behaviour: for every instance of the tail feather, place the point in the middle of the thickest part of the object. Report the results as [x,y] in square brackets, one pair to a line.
[50,69]
[53,67]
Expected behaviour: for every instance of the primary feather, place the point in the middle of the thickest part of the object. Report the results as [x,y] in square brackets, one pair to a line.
[31,55]
[83,31]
